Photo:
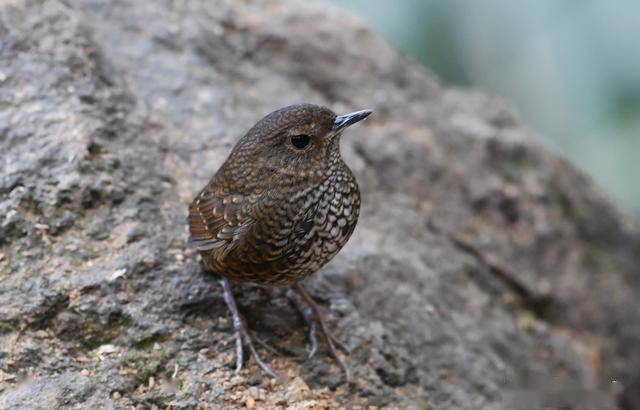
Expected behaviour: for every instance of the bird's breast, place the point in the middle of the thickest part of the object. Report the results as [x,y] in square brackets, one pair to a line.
[326,223]
[300,231]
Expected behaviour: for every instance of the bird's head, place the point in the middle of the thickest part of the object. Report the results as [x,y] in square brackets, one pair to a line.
[295,143]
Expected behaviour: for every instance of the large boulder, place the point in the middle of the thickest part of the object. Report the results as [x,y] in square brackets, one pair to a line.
[486,271]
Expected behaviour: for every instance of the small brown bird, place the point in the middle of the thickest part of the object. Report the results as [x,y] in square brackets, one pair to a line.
[278,209]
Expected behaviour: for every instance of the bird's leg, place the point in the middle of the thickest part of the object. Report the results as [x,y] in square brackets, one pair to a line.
[311,313]
[243,337]
[307,313]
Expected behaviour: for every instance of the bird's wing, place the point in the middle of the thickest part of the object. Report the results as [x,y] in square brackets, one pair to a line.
[217,221]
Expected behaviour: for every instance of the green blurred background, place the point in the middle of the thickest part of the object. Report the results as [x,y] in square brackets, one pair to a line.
[571,67]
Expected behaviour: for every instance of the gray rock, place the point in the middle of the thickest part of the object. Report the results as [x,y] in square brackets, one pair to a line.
[486,271]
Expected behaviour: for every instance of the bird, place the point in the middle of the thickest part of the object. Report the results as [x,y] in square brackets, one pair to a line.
[279,208]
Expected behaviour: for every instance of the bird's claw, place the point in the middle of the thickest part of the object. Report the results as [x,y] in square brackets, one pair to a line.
[311,314]
[243,337]
[313,342]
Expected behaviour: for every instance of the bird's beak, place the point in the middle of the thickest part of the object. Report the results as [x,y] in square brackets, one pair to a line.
[343,121]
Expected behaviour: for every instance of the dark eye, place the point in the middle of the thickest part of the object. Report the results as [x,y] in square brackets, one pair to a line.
[300,141]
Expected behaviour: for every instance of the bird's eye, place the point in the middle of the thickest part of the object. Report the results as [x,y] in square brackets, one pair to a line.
[300,141]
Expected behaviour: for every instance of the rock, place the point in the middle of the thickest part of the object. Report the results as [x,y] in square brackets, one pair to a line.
[485,268]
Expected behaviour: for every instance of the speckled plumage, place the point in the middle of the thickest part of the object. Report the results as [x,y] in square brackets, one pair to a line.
[274,214]
[279,208]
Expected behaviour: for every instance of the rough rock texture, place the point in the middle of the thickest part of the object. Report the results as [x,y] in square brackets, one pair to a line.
[486,271]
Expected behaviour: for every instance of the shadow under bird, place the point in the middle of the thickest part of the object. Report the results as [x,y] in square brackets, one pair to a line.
[279,208]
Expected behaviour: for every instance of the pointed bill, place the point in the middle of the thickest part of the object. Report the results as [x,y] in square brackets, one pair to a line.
[343,121]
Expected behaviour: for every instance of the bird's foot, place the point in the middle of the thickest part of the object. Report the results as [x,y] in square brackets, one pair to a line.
[311,314]
[243,335]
